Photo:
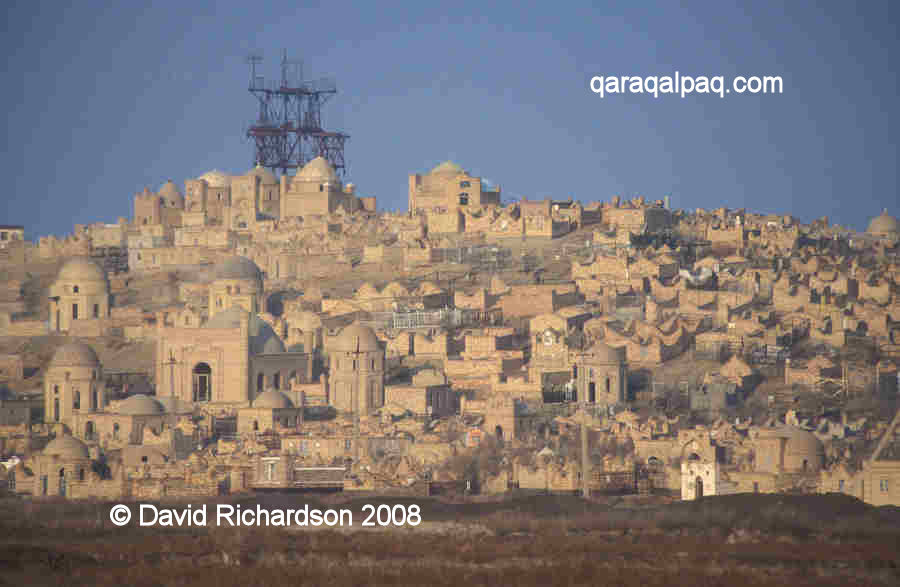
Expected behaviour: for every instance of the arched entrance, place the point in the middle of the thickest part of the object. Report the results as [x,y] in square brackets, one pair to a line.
[698,488]
[202,376]
[498,432]
[62,482]
[89,431]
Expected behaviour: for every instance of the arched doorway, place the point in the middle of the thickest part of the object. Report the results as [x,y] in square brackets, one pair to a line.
[698,488]
[89,431]
[498,432]
[62,482]
[592,393]
[202,376]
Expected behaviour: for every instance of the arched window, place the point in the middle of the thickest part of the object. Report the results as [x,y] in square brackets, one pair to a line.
[202,382]
[74,289]
[89,431]
[276,380]
[76,400]
[260,381]
[81,474]
[116,430]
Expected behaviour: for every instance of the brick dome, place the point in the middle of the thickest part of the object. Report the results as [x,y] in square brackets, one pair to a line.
[272,399]
[75,354]
[66,446]
[357,338]
[81,269]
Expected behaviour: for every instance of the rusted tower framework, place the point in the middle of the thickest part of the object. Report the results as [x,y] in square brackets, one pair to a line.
[288,131]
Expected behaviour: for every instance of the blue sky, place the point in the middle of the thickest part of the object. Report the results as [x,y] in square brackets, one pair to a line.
[104,99]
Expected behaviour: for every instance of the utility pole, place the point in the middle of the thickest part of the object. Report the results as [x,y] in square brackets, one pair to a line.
[585,460]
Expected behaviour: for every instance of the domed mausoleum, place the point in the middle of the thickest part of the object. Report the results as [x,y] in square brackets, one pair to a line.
[231,359]
[601,375]
[73,384]
[80,292]
[357,370]
[884,226]
[237,281]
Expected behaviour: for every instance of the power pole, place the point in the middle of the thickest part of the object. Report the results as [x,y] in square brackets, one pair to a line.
[585,461]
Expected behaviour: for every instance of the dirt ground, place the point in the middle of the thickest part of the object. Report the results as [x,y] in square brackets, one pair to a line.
[538,540]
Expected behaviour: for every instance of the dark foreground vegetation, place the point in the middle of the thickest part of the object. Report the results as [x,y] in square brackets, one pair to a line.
[733,540]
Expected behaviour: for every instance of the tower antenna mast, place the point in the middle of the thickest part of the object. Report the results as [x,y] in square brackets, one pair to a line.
[287,132]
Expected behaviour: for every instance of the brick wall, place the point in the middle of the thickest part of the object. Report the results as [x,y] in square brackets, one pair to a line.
[11,367]
[22,327]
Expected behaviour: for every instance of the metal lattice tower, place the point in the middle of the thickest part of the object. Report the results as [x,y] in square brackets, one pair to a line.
[287,132]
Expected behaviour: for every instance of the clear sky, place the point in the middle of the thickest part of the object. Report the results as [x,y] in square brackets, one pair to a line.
[103,99]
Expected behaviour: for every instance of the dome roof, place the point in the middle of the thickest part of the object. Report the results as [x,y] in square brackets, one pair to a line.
[68,447]
[262,339]
[427,288]
[802,442]
[447,167]
[265,176]
[884,224]
[604,353]
[356,337]
[170,191]
[216,179]
[272,399]
[81,269]
[140,405]
[317,170]
[75,354]
[173,405]
[237,268]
